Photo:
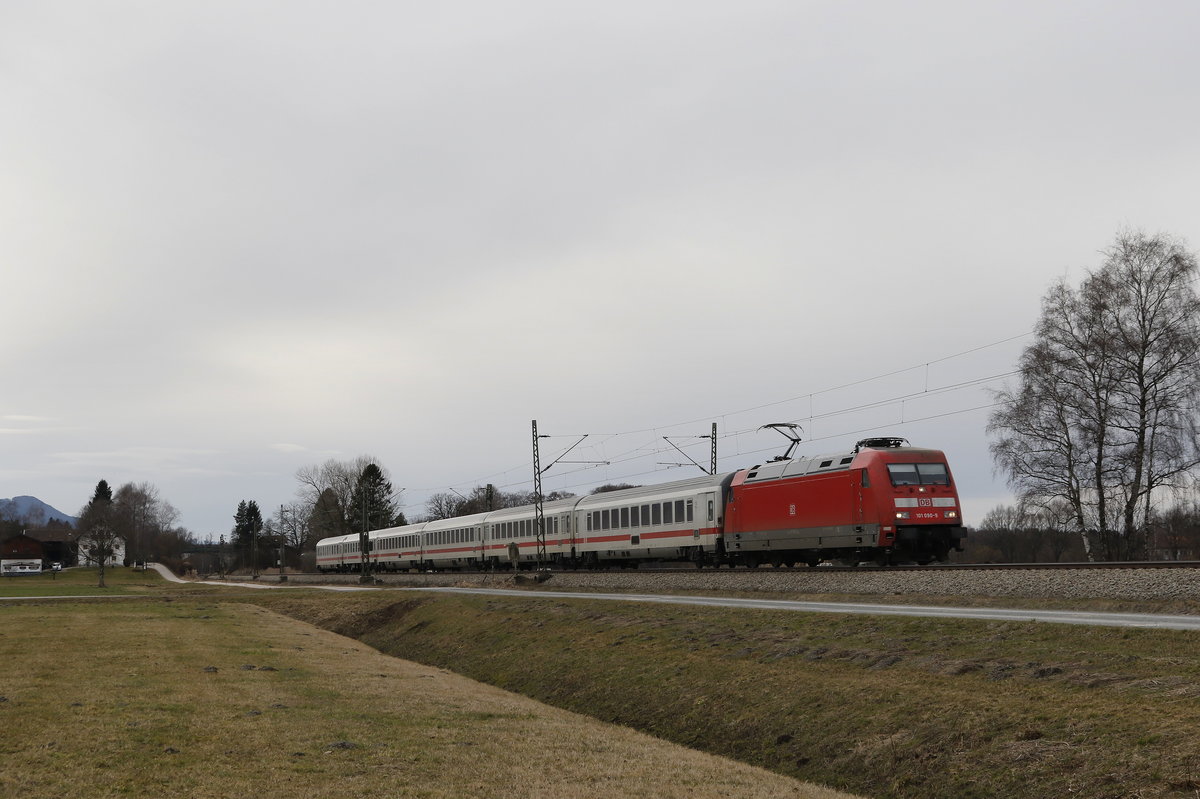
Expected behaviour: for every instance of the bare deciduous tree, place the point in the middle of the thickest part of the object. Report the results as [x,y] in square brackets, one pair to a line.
[449,504]
[331,484]
[1104,413]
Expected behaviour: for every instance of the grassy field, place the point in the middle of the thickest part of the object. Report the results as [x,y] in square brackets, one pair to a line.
[878,706]
[84,582]
[195,697]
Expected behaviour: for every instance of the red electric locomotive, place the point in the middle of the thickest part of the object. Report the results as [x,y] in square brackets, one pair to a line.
[885,501]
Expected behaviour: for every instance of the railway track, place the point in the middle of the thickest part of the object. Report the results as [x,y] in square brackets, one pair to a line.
[825,569]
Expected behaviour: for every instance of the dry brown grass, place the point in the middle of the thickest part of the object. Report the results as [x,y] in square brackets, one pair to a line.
[919,708]
[198,699]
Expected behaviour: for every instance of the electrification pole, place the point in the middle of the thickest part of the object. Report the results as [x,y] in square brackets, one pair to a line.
[539,523]
[713,468]
[364,543]
[539,512]
[282,539]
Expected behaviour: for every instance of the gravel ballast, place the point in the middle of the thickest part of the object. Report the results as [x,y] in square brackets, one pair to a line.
[1115,584]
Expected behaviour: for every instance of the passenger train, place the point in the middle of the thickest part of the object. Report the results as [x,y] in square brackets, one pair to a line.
[884,501]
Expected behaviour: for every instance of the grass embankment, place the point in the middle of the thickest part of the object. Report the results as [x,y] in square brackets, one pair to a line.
[878,706]
[191,698]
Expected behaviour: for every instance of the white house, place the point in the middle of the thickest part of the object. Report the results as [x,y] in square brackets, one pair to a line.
[86,544]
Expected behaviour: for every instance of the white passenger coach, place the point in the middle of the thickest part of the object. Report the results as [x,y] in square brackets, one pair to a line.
[679,520]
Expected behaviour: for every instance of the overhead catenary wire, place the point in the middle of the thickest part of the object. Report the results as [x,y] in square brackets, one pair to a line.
[647,449]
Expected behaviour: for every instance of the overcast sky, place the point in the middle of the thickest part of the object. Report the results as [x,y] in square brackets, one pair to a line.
[240,238]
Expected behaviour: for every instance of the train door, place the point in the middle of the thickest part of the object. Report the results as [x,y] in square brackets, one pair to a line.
[856,496]
[568,534]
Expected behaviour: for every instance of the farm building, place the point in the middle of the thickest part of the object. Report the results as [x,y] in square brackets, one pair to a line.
[21,554]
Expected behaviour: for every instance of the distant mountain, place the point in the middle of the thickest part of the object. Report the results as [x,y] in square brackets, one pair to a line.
[31,510]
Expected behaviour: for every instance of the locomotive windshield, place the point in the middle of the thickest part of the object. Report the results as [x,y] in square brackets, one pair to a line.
[916,474]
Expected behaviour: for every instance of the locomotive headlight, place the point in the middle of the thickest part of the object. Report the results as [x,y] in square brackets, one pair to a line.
[951,514]
[901,514]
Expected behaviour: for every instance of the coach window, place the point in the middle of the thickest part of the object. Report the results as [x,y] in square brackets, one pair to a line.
[679,510]
[689,510]
[603,520]
[656,513]
[635,518]
[668,515]
[625,517]
[645,516]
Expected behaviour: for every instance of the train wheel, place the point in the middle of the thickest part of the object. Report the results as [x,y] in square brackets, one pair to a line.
[751,561]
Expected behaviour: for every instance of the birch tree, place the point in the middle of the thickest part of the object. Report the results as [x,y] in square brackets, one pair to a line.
[1105,410]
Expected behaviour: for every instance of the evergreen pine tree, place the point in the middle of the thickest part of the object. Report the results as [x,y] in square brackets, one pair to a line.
[372,501]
